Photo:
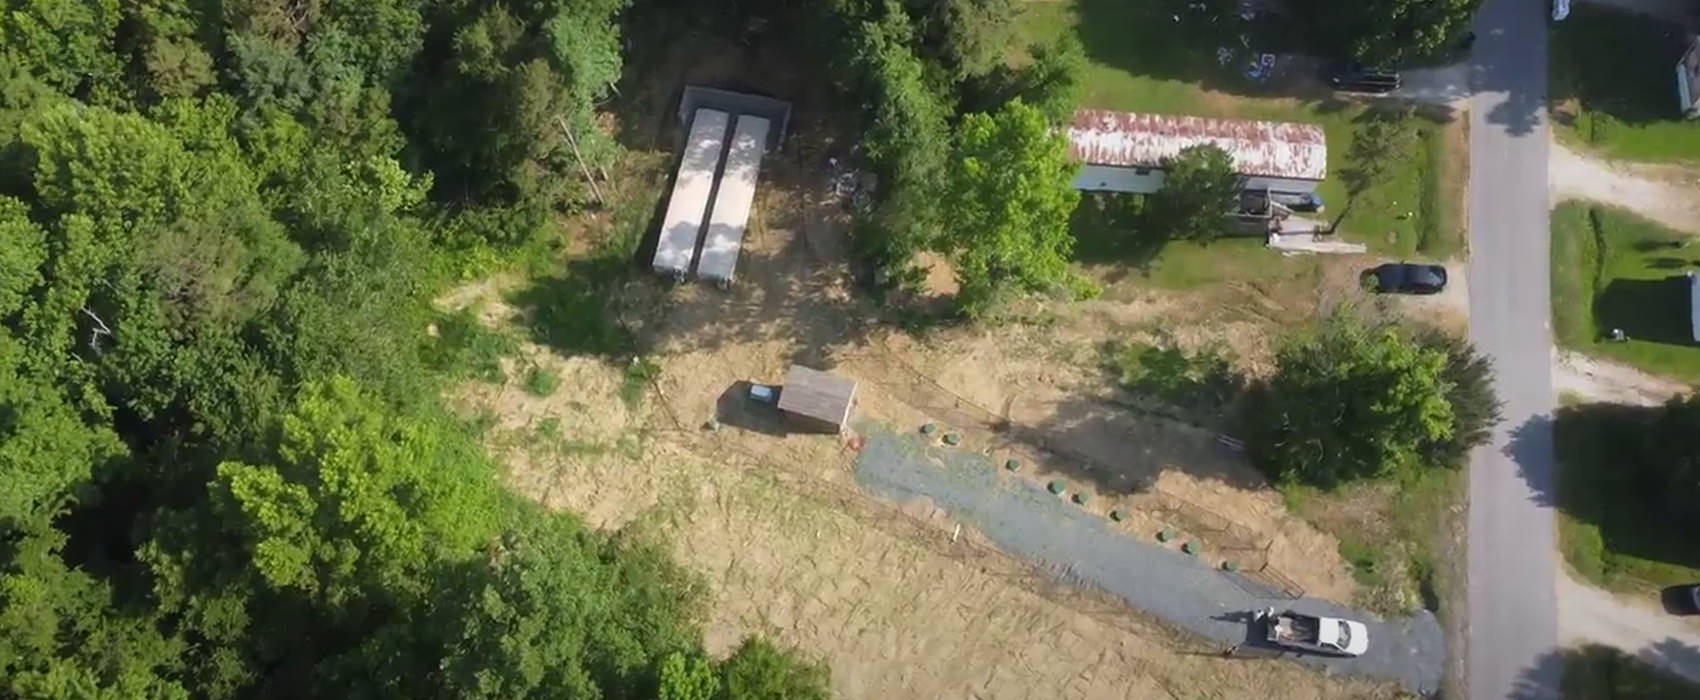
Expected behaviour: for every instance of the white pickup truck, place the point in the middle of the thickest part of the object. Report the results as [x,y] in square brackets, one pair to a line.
[1326,635]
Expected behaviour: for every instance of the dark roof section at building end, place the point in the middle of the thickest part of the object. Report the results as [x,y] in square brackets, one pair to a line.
[772,109]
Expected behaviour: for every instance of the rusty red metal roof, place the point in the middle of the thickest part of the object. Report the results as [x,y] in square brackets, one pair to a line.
[1266,149]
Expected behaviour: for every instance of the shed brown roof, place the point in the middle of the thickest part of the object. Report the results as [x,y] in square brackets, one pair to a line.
[816,394]
[1267,149]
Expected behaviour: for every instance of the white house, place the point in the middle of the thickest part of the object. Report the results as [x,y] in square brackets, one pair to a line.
[1688,79]
[1124,152]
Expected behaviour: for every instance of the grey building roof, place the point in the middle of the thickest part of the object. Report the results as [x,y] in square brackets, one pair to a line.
[815,394]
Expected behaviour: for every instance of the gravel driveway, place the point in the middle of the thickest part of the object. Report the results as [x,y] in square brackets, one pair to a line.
[1664,193]
[1080,546]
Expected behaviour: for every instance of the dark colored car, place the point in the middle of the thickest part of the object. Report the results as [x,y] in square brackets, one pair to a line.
[1405,278]
[1360,79]
[1681,600]
[1303,202]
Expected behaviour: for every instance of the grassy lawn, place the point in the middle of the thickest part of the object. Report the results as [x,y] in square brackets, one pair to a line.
[1613,269]
[1140,59]
[1614,85]
[1608,528]
[1596,672]
[1103,227]
[1391,532]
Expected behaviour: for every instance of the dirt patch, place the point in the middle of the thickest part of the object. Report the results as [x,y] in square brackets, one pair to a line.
[898,608]
[1634,625]
[485,297]
[1031,391]
[1668,194]
[902,602]
[791,547]
[941,277]
[1593,380]
[1448,311]
[1454,185]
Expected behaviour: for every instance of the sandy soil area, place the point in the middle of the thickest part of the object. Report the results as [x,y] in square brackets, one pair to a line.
[1634,625]
[1667,194]
[899,600]
[1590,379]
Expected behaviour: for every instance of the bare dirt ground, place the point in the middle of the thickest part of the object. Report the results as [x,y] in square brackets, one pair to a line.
[1589,379]
[789,546]
[899,600]
[1668,194]
[888,599]
[1449,310]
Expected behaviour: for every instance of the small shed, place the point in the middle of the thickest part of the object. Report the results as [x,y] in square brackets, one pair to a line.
[818,400]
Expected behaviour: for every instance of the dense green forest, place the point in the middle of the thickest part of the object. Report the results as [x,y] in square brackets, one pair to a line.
[225,467]
[225,470]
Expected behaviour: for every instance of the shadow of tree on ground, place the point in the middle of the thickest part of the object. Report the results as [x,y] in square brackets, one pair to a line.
[1616,63]
[1599,672]
[1614,475]
[1646,309]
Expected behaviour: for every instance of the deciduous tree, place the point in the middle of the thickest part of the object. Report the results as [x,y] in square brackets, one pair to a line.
[968,37]
[1008,203]
[758,670]
[1350,400]
[687,677]
[1385,32]
[907,142]
[1200,189]
[1468,376]
[360,504]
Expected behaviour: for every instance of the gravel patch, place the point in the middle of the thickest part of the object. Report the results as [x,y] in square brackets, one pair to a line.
[1081,546]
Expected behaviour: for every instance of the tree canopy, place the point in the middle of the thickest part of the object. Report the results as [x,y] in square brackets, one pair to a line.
[1200,189]
[1352,400]
[912,69]
[1008,201]
[225,470]
[1385,32]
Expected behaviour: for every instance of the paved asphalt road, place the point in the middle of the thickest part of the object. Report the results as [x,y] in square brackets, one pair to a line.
[1513,633]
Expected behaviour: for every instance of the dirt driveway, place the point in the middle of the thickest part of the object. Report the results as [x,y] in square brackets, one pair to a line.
[1636,626]
[1585,378]
[1667,194]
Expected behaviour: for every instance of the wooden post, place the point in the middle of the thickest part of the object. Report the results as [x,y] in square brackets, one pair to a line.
[594,189]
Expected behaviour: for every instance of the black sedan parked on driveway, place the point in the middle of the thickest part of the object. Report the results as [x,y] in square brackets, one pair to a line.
[1405,278]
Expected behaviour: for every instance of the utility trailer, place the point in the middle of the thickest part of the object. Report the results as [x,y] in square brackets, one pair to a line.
[729,216]
[687,206]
